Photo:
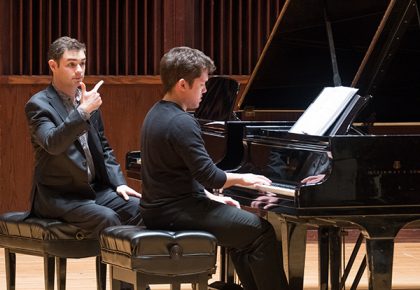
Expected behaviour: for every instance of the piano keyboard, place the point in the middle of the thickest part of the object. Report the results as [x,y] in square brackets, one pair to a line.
[280,189]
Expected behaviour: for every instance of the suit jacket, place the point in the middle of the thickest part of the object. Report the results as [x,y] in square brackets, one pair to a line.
[60,177]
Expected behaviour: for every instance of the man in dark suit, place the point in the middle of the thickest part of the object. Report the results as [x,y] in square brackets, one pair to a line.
[77,178]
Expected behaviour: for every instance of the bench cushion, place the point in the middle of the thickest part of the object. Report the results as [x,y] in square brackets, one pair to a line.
[39,236]
[159,252]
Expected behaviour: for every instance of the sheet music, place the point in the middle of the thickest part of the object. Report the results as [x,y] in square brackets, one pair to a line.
[323,111]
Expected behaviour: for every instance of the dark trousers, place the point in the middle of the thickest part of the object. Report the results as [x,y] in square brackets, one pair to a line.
[252,241]
[108,209]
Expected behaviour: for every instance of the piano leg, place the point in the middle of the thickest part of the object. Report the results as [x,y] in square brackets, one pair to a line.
[380,254]
[323,252]
[329,261]
[335,257]
[294,251]
[380,247]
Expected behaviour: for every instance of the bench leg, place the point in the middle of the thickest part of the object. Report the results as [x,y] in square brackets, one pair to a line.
[61,264]
[175,286]
[49,269]
[100,274]
[140,284]
[114,283]
[10,263]
[203,282]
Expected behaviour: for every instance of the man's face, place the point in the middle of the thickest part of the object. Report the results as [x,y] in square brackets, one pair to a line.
[195,92]
[70,69]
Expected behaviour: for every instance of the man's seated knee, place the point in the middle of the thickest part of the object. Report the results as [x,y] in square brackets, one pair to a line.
[107,218]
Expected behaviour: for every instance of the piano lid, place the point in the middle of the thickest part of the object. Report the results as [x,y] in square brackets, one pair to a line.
[372,45]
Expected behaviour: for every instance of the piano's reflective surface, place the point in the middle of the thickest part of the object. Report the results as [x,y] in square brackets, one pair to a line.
[357,177]
[368,181]
[375,173]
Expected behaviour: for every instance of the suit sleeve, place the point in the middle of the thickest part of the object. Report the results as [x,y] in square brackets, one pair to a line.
[53,138]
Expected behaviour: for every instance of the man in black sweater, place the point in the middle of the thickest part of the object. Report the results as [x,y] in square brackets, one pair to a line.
[176,169]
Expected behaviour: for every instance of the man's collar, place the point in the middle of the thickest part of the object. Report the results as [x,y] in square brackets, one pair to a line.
[67,98]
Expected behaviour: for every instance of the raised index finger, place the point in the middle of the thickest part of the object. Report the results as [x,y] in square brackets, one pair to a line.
[83,87]
[96,87]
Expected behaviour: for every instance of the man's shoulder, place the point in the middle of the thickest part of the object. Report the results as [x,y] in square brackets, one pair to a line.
[182,122]
[40,100]
[165,110]
[41,95]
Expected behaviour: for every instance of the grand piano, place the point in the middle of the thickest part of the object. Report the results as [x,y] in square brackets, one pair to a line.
[368,166]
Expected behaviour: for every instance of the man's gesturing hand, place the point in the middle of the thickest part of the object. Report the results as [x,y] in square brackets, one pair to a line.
[90,101]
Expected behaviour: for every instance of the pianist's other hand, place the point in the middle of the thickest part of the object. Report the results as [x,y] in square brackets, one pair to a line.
[223,199]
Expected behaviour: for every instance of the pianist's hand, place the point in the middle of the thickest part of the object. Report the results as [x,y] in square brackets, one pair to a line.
[223,199]
[245,179]
[125,191]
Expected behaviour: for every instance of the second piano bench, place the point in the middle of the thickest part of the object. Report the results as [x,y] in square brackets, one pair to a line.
[141,257]
[51,239]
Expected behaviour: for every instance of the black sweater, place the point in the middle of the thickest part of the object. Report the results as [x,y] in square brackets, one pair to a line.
[175,163]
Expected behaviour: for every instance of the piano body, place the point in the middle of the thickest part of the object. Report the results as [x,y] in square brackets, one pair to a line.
[369,166]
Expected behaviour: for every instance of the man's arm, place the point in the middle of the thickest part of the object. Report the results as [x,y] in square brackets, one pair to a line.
[246,179]
[53,136]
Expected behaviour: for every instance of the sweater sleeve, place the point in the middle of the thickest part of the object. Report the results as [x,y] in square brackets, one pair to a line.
[189,144]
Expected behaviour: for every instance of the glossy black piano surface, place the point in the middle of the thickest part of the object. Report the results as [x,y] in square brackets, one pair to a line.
[363,174]
[369,181]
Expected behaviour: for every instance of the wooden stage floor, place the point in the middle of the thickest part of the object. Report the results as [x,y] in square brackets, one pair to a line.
[81,272]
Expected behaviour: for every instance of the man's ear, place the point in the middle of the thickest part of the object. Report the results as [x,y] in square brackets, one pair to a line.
[182,83]
[52,64]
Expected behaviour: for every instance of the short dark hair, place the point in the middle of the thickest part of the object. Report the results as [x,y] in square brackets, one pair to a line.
[183,63]
[60,45]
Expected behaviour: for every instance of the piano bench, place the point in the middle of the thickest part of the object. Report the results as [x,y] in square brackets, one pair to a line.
[142,257]
[51,239]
